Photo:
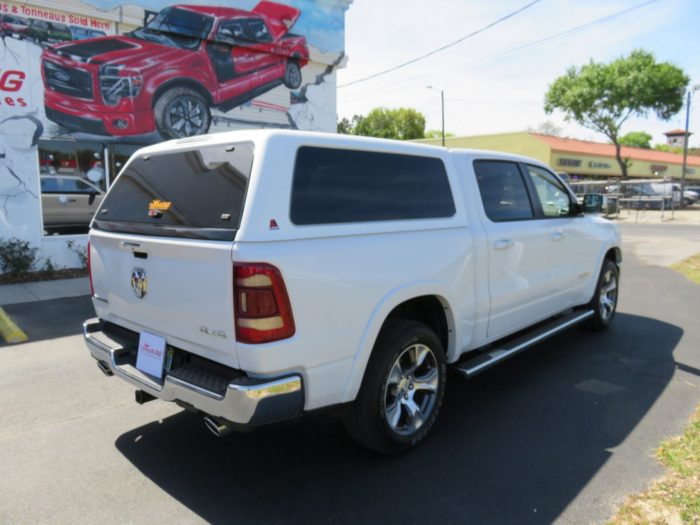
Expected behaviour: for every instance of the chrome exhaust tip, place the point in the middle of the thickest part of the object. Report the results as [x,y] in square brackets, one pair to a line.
[216,426]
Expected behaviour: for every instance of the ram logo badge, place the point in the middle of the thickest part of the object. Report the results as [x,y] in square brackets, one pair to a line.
[139,282]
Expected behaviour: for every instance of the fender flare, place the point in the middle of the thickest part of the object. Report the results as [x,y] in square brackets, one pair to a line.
[379,314]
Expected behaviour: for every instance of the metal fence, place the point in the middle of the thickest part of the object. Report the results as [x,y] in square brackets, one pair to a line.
[611,197]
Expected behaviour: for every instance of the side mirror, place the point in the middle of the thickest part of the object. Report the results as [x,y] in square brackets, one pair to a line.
[91,199]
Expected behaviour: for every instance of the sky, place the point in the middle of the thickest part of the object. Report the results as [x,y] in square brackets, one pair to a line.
[489,85]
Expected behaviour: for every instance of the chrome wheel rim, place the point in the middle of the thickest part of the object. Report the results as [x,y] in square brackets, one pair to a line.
[608,295]
[186,117]
[411,389]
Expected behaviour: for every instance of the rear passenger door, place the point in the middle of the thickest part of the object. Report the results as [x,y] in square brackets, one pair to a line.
[518,249]
[572,249]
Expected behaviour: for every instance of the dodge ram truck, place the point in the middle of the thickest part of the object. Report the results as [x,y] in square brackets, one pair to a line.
[255,276]
[168,75]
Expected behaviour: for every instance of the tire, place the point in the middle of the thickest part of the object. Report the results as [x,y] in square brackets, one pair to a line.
[399,402]
[604,301]
[181,112]
[292,75]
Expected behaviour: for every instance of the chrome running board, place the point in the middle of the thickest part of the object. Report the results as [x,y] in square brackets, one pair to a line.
[472,364]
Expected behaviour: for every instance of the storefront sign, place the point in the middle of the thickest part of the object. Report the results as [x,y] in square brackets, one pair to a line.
[658,168]
[572,163]
[599,165]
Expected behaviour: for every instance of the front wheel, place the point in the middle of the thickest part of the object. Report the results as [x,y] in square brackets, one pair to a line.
[402,390]
[604,302]
[181,112]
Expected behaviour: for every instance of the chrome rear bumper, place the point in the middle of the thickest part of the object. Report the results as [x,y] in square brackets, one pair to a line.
[244,401]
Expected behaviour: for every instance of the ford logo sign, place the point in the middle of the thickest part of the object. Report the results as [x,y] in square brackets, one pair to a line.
[139,283]
[62,76]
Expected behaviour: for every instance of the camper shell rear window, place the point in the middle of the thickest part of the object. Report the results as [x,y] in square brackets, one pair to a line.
[197,194]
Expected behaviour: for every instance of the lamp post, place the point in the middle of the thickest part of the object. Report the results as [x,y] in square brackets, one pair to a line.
[442,101]
[686,138]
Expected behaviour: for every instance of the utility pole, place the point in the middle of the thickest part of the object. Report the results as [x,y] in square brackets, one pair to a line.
[686,139]
[442,102]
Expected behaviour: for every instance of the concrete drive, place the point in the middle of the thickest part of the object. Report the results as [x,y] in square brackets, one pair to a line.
[560,434]
[43,290]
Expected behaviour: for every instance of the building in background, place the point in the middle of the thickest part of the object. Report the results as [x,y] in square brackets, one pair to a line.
[83,84]
[581,159]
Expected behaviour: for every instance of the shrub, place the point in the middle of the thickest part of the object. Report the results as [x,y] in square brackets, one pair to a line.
[17,257]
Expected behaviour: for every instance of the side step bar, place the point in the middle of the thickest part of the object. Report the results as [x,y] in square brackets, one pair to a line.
[473,364]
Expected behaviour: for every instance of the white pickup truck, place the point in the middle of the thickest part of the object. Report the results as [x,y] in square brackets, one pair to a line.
[254,276]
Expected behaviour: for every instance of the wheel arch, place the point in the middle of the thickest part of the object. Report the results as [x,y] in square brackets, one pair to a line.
[182,82]
[424,303]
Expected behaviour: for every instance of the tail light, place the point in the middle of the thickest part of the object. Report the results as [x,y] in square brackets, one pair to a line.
[263,312]
[89,268]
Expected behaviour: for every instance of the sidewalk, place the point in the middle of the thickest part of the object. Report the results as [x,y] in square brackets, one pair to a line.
[43,290]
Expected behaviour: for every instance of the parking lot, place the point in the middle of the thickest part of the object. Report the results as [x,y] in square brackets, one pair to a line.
[561,433]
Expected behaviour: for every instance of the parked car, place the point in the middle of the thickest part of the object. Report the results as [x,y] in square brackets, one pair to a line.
[83,33]
[215,56]
[254,276]
[68,202]
[13,26]
[46,33]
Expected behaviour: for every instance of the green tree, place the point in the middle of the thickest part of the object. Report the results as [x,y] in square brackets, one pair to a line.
[401,123]
[437,134]
[670,149]
[603,96]
[347,126]
[636,139]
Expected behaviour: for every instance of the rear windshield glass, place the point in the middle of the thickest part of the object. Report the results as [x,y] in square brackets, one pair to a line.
[343,186]
[196,194]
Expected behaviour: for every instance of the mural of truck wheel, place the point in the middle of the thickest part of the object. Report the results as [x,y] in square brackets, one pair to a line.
[292,75]
[181,112]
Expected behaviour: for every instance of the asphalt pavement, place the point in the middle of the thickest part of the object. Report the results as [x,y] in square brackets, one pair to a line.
[561,433]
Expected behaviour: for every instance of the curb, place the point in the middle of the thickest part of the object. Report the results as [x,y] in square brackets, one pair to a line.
[10,331]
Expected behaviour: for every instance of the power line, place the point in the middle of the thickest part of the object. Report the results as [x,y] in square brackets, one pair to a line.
[446,46]
[497,56]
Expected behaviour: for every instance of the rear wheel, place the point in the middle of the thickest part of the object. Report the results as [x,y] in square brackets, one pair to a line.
[292,75]
[402,390]
[604,302]
[181,112]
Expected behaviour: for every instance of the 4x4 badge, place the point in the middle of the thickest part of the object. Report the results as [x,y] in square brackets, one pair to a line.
[139,283]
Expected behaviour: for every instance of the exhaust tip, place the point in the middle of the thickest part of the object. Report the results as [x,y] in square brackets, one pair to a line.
[217,427]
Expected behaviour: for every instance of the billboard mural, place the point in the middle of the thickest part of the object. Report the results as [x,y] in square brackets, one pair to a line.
[85,83]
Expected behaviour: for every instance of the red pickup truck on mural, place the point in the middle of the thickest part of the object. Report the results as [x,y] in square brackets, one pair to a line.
[167,75]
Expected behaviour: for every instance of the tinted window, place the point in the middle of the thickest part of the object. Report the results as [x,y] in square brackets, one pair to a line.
[554,198]
[503,191]
[341,186]
[194,194]
[65,185]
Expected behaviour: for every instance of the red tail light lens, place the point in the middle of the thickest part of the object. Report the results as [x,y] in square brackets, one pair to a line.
[89,268]
[263,312]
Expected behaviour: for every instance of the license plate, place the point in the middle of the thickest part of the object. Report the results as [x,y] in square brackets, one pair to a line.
[151,354]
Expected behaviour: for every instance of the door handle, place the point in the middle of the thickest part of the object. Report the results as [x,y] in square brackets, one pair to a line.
[557,236]
[503,244]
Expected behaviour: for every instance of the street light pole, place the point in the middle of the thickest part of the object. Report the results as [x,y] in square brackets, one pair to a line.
[442,102]
[686,138]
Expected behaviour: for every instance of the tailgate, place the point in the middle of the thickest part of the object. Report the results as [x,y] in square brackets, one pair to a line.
[161,246]
[188,292]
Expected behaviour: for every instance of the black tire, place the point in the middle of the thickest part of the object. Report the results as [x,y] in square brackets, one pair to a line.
[181,112]
[604,309]
[367,419]
[292,75]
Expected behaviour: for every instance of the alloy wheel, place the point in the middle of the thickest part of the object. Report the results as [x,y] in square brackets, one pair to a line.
[608,294]
[411,389]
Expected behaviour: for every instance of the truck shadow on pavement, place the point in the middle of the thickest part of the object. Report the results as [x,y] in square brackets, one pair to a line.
[513,445]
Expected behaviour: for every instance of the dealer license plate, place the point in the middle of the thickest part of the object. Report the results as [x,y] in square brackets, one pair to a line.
[151,354]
